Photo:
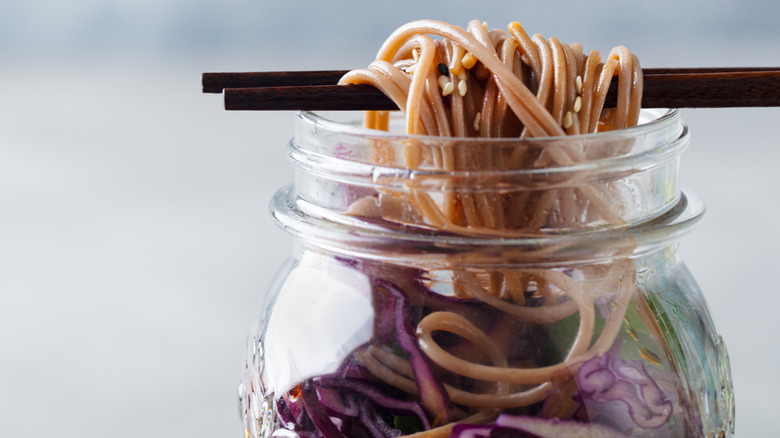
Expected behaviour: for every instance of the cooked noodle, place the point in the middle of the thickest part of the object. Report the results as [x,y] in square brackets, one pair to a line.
[477,82]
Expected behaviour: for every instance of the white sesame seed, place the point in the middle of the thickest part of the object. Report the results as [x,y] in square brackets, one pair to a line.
[578,83]
[567,120]
[448,89]
[411,68]
[462,75]
[577,104]
[416,54]
[477,118]
[462,88]
[443,81]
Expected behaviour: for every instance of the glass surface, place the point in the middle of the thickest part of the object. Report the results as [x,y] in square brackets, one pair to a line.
[396,316]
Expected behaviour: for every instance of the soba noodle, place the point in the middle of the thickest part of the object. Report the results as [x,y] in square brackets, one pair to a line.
[475,82]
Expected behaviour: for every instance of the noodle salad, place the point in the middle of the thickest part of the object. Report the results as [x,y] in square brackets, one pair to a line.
[465,347]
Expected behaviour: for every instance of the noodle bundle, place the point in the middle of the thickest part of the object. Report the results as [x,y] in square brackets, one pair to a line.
[477,82]
[499,84]
[490,83]
[488,347]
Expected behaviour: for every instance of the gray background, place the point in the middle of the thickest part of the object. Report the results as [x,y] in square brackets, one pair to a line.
[135,243]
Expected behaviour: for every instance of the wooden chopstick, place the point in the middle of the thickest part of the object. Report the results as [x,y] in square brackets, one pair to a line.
[663,88]
[216,82]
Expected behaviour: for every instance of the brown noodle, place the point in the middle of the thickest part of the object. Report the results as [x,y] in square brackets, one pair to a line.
[501,84]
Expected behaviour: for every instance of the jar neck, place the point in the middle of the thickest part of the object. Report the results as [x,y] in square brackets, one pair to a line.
[644,261]
[416,246]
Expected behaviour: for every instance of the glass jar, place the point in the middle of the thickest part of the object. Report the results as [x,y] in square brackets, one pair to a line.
[480,287]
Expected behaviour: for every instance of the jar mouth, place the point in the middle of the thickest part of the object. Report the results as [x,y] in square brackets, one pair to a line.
[341,153]
[654,119]
[319,139]
[489,186]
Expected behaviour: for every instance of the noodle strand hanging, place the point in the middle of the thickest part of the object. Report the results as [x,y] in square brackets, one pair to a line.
[457,346]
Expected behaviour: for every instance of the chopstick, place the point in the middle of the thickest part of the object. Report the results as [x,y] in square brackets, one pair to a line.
[216,82]
[663,88]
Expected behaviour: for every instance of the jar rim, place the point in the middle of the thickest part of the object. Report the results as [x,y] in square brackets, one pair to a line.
[665,118]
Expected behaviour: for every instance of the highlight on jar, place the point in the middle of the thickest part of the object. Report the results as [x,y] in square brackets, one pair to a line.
[491,249]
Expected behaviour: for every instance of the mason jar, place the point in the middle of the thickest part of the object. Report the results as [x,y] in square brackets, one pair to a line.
[474,287]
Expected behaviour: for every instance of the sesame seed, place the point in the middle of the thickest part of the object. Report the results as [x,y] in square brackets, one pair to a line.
[411,68]
[443,81]
[462,75]
[567,120]
[416,54]
[578,83]
[462,88]
[448,89]
[577,104]
[484,23]
[468,61]
[477,118]
[442,69]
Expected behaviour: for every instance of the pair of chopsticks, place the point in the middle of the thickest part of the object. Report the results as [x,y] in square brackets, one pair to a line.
[663,88]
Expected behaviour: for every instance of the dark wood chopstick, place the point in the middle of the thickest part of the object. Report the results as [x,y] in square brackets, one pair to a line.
[664,88]
[308,98]
[216,82]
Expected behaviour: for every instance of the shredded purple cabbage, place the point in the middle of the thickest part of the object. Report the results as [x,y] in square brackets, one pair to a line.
[351,401]
[471,431]
[430,387]
[523,426]
[317,412]
[367,392]
[623,392]
[614,398]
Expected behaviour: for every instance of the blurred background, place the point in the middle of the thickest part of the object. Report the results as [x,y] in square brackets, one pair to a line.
[135,243]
